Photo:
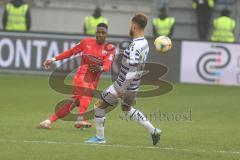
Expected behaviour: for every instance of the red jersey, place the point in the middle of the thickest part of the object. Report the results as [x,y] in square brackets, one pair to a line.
[91,53]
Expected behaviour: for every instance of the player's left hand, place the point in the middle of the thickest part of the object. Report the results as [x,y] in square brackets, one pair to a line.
[95,68]
[47,63]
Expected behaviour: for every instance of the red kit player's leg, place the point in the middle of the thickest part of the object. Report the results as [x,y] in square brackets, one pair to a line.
[61,112]
[84,103]
[83,92]
[84,95]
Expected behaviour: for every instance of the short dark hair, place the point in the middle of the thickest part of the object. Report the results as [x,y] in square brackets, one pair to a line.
[140,19]
[102,25]
[163,9]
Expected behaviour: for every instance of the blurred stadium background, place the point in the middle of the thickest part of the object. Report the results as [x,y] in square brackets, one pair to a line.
[211,132]
[118,14]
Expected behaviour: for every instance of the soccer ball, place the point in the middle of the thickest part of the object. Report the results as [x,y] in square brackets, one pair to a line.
[163,44]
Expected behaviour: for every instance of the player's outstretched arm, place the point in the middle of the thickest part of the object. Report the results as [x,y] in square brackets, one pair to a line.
[66,54]
[47,63]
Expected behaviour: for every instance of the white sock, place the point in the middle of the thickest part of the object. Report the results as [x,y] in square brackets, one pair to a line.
[139,117]
[99,120]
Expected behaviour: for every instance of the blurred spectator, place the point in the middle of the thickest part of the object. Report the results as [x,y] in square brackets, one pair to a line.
[16,16]
[224,28]
[204,12]
[163,25]
[91,22]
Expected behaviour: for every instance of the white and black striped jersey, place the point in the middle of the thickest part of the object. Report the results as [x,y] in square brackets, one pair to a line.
[132,65]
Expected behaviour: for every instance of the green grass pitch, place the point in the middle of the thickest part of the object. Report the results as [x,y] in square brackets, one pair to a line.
[211,131]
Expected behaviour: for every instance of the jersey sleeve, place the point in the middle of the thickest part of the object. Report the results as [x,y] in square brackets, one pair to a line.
[73,51]
[107,63]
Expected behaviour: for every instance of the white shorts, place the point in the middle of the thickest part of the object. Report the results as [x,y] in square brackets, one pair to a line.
[111,97]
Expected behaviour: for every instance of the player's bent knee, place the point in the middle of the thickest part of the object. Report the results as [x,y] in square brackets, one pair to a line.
[101,104]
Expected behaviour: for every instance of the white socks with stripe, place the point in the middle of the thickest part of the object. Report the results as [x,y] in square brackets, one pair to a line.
[139,117]
[136,115]
[99,119]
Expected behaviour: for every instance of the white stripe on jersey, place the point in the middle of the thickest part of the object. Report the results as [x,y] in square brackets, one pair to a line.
[133,61]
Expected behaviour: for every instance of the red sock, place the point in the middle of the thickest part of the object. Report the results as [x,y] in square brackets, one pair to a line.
[53,118]
[61,112]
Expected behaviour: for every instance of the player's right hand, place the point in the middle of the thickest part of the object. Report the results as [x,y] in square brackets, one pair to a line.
[47,63]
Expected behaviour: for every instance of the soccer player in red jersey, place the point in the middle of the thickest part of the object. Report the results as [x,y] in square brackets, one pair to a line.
[96,57]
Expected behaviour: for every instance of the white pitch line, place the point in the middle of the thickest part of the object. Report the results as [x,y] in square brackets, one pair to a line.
[123,146]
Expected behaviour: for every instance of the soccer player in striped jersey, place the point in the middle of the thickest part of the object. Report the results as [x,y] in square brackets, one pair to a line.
[127,84]
[96,58]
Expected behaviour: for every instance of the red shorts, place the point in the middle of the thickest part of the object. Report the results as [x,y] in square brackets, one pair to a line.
[84,85]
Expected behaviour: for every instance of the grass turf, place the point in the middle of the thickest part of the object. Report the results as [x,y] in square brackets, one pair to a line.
[211,131]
